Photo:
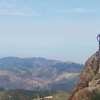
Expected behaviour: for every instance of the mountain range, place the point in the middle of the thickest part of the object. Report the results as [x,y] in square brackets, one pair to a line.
[38,73]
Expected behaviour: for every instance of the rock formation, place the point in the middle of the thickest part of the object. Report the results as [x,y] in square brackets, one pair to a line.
[88,87]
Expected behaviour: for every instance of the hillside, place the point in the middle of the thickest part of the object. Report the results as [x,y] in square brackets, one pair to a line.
[38,73]
[23,94]
[32,95]
[88,87]
[60,96]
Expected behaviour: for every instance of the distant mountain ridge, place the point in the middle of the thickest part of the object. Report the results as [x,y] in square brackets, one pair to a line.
[31,73]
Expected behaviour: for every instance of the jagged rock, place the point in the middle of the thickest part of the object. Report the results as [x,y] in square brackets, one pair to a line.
[89,82]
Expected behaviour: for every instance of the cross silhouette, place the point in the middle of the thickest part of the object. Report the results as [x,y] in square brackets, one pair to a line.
[98,39]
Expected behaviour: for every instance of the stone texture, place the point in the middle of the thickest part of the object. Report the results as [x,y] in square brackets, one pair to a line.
[89,82]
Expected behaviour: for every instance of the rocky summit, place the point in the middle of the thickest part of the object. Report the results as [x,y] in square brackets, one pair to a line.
[88,86]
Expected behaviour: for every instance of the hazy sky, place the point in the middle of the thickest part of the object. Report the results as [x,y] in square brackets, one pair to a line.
[55,29]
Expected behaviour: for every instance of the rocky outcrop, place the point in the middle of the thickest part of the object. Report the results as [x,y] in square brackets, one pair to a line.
[88,86]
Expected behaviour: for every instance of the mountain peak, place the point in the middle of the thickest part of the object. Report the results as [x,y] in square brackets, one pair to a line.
[89,83]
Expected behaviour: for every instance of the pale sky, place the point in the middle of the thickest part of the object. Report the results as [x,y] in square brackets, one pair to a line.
[56,29]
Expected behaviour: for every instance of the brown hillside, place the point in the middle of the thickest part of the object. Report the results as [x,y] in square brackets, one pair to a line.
[89,83]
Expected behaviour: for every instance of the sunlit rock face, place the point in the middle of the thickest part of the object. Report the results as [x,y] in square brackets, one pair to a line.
[88,87]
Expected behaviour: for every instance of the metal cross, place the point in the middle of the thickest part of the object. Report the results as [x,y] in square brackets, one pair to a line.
[98,39]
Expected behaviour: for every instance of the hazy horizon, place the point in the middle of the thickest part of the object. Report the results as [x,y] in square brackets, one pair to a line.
[55,29]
